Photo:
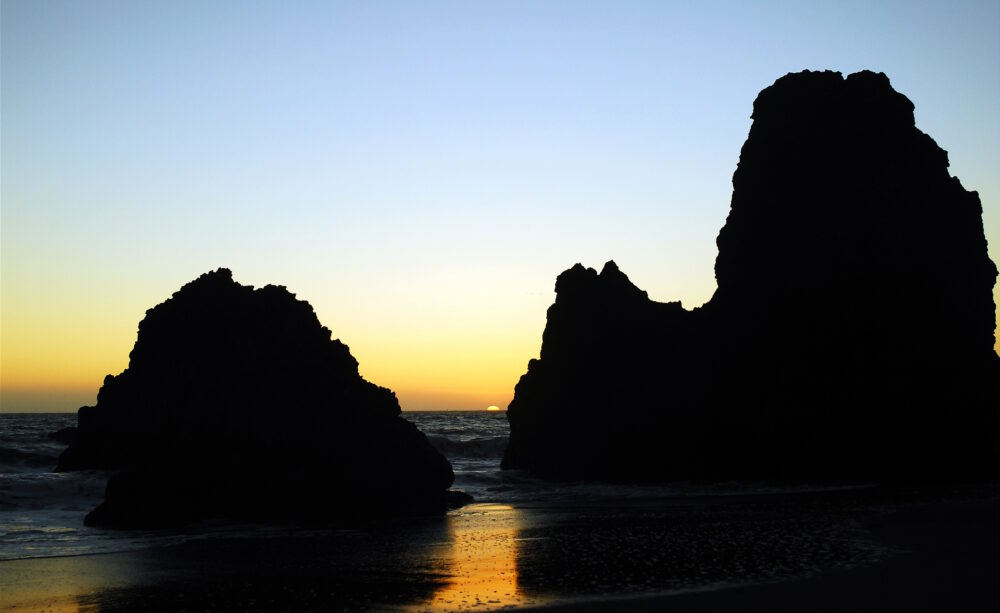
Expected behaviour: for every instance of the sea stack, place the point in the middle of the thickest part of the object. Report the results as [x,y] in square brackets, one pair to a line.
[237,403]
[850,338]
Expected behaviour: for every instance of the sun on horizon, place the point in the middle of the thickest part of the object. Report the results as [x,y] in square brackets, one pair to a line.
[493,407]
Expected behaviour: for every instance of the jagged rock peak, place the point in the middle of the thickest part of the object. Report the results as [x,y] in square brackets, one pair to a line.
[610,282]
[803,92]
[216,310]
[219,274]
[838,194]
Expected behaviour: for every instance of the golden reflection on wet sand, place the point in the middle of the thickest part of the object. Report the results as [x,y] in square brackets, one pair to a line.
[467,562]
[61,585]
[481,561]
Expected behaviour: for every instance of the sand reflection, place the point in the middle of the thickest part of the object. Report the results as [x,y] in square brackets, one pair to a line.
[482,560]
[65,584]
[465,561]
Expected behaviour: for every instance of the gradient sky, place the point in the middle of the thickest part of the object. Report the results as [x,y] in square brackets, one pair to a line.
[420,172]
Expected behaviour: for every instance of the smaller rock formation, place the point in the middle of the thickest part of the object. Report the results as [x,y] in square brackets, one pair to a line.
[594,405]
[236,403]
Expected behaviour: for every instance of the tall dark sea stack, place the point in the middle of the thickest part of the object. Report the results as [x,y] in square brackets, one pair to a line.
[850,338]
[236,403]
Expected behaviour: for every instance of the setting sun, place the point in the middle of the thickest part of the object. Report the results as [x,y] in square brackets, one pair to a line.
[493,407]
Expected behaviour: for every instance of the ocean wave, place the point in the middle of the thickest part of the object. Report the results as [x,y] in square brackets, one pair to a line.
[482,447]
[66,491]
[19,458]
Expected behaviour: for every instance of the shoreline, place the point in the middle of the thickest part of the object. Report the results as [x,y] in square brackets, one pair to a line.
[943,555]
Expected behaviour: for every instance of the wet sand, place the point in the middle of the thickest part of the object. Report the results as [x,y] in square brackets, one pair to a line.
[461,561]
[835,551]
[945,557]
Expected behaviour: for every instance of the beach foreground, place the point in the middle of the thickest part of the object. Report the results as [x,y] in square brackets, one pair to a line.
[944,557]
[848,550]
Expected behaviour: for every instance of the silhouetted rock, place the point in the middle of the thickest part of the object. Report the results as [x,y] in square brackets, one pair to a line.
[237,403]
[456,499]
[850,338]
[64,435]
[598,400]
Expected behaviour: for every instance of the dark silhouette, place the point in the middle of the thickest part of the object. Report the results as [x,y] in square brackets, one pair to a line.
[850,338]
[64,435]
[237,403]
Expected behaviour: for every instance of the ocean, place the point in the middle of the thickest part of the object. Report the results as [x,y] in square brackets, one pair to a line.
[522,542]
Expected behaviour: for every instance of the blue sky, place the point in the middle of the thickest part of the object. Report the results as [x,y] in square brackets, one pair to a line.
[419,171]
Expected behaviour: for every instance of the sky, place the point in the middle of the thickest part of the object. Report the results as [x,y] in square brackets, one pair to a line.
[420,172]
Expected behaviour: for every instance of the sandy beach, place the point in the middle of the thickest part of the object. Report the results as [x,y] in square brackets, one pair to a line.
[863,551]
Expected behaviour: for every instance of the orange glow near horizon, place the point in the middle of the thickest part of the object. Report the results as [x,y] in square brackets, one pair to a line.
[54,359]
